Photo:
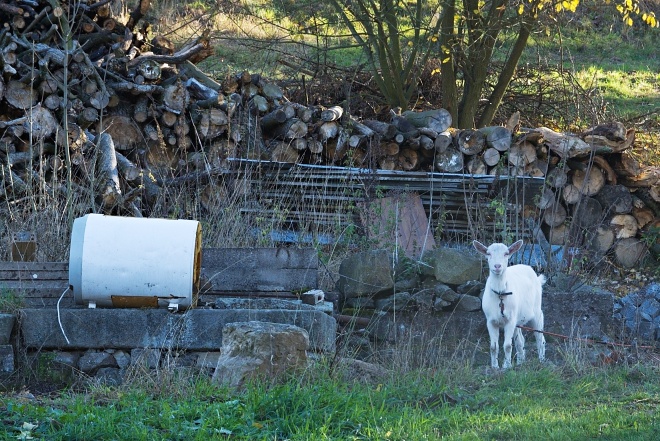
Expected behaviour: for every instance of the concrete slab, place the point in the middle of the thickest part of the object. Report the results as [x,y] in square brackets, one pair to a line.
[195,330]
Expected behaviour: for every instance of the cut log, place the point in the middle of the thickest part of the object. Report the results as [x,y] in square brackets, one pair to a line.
[291,129]
[513,123]
[491,157]
[559,235]
[107,165]
[624,225]
[438,120]
[547,199]
[176,98]
[476,166]
[386,131]
[332,114]
[40,122]
[625,165]
[571,194]
[426,142]
[388,149]
[449,161]
[610,175]
[328,130]
[534,170]
[497,137]
[588,213]
[615,199]
[614,131]
[600,239]
[649,176]
[629,252]
[471,142]
[360,129]
[557,177]
[408,159]
[643,215]
[283,152]
[564,145]
[603,145]
[554,215]
[522,154]
[21,96]
[272,120]
[443,141]
[124,132]
[314,145]
[388,163]
[589,182]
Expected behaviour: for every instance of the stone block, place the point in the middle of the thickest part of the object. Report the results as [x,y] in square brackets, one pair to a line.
[7,365]
[193,330]
[6,326]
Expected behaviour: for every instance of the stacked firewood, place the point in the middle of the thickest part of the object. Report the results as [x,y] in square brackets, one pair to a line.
[86,93]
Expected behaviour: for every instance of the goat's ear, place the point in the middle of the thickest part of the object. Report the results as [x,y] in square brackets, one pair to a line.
[479,247]
[515,247]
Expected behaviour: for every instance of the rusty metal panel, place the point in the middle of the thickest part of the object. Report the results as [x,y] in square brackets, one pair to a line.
[300,196]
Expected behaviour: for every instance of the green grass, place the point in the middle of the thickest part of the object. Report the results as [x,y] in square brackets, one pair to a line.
[522,404]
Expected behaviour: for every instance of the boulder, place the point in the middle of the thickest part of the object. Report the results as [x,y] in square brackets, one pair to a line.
[253,349]
[452,266]
[366,273]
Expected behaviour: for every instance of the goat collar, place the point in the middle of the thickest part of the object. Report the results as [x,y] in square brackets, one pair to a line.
[501,295]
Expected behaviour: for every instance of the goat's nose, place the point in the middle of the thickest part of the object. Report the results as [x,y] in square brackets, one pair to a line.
[498,266]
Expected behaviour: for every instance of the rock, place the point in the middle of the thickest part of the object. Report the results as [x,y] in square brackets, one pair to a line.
[649,309]
[122,358]
[7,364]
[397,302]
[424,299]
[92,361]
[366,273]
[251,349]
[146,357]
[454,267]
[6,326]
[441,305]
[468,303]
[472,287]
[207,359]
[360,303]
[445,293]
[352,370]
[110,376]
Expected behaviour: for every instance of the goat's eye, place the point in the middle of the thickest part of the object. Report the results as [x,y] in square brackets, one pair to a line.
[506,254]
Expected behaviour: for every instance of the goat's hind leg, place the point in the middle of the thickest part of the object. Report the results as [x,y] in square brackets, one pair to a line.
[520,345]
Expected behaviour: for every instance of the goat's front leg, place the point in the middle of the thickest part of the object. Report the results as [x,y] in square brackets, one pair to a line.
[494,333]
[537,324]
[509,329]
[520,345]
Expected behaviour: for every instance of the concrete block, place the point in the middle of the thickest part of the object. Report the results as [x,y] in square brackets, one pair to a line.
[194,330]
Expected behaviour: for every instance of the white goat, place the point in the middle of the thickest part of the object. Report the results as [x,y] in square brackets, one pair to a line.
[512,298]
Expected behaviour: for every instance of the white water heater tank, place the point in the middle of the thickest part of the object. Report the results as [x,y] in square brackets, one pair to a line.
[119,261]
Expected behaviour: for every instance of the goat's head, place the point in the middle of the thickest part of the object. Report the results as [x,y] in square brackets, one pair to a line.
[498,255]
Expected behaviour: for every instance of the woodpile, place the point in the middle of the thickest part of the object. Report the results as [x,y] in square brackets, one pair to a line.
[85,94]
